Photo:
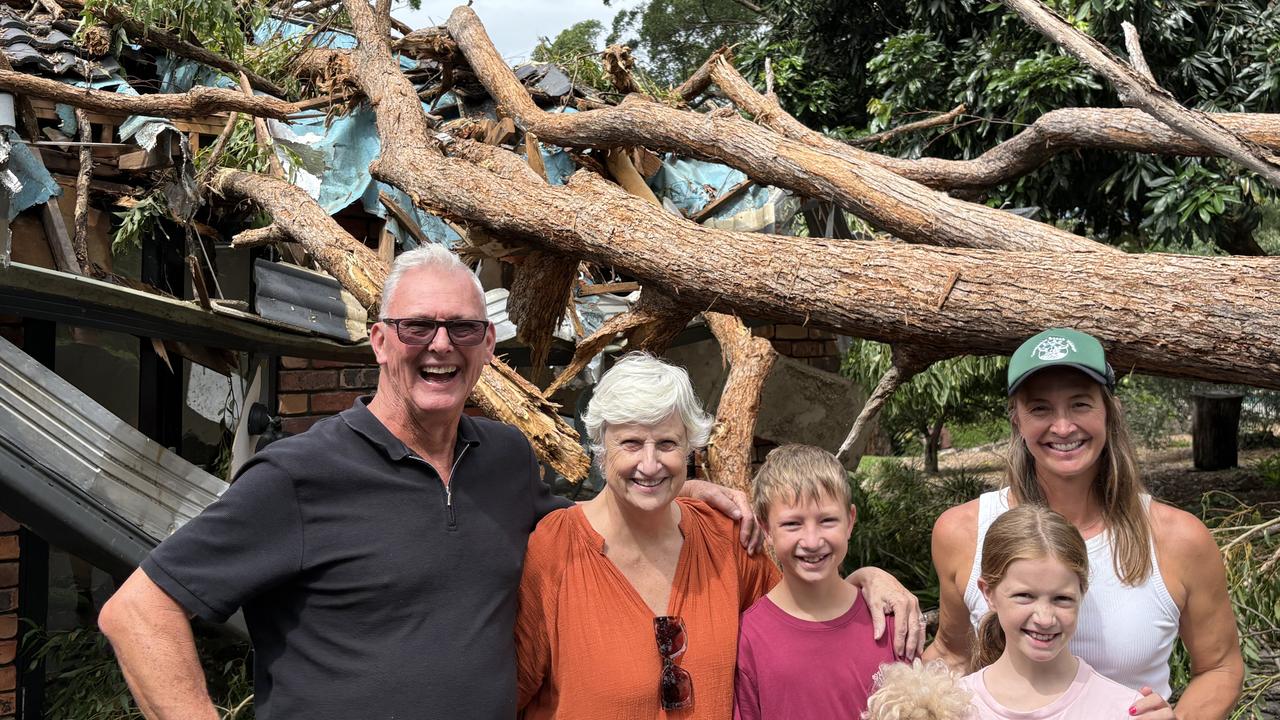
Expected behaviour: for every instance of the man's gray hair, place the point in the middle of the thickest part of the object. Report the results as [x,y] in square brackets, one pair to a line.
[430,255]
[642,389]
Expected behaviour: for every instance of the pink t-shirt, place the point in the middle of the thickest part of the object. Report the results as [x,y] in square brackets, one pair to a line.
[1090,697]
[793,668]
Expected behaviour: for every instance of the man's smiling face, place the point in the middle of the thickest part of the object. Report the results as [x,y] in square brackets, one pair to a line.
[433,379]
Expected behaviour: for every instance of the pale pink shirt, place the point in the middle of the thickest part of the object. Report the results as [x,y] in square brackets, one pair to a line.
[1090,697]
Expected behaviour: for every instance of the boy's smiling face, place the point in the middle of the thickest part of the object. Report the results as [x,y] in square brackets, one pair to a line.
[810,539]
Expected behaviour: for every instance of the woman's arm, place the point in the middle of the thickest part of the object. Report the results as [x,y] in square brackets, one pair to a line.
[955,540]
[886,596]
[1208,623]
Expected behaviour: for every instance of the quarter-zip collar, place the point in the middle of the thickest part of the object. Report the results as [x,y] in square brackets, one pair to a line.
[367,425]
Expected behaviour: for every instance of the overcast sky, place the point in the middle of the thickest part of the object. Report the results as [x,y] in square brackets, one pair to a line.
[516,25]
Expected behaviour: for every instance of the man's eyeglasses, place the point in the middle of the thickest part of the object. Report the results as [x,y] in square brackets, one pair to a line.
[675,686]
[421,331]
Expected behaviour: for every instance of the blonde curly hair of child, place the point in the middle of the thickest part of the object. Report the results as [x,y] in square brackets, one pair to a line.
[918,691]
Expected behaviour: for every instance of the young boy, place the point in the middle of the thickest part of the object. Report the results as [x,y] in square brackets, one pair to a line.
[805,650]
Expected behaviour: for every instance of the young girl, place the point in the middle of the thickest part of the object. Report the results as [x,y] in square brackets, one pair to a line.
[1035,570]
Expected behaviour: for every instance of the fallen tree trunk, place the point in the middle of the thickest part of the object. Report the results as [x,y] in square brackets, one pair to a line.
[890,202]
[1054,132]
[1151,310]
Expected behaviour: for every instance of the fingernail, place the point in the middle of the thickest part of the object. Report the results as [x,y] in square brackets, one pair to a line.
[1133,710]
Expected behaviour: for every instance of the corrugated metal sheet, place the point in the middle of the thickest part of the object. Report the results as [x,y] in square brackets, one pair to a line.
[76,442]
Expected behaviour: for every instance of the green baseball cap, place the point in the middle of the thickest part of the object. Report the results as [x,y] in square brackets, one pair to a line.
[1060,346]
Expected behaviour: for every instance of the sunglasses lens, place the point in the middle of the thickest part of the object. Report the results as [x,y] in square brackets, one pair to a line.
[670,635]
[466,332]
[416,332]
[675,688]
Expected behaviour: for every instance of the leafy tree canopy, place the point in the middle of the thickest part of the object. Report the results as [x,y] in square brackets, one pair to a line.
[675,36]
[852,67]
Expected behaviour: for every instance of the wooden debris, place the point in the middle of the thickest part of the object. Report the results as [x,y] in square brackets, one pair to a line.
[80,242]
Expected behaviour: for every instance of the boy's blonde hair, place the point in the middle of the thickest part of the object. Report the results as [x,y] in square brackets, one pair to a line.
[792,473]
[919,691]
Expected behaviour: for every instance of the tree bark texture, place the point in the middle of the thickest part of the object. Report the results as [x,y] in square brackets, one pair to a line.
[80,238]
[361,271]
[197,102]
[506,397]
[1199,317]
[1137,90]
[750,359]
[888,201]
[294,213]
[540,294]
[855,443]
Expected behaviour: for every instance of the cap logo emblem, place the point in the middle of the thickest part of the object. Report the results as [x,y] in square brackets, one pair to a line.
[1053,348]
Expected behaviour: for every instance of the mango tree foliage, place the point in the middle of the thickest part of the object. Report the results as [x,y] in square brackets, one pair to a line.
[962,389]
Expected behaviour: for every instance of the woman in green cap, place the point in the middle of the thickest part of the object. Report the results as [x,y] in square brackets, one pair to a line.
[1155,571]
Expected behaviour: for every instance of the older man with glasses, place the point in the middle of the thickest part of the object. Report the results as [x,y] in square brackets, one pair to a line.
[377,555]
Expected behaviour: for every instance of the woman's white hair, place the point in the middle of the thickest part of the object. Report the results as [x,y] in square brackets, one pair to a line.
[642,389]
[430,255]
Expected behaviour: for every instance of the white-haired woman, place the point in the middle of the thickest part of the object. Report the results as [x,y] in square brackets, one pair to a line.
[629,603]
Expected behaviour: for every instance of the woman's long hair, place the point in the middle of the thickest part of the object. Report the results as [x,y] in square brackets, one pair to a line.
[1027,532]
[1118,485]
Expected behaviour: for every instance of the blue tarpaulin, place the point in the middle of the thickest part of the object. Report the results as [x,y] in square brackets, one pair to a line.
[37,184]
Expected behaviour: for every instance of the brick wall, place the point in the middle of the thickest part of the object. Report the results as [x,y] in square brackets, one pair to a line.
[9,553]
[814,347]
[309,390]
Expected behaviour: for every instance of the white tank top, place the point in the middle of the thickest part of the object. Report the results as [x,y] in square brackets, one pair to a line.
[1125,632]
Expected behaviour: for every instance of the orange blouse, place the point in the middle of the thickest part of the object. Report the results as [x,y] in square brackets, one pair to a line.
[585,640]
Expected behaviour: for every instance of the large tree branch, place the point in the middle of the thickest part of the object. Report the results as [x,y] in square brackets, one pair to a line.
[1057,131]
[1137,90]
[299,218]
[750,359]
[888,201]
[152,37]
[1202,317]
[197,102]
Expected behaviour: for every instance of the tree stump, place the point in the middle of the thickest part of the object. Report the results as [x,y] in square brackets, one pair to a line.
[1214,430]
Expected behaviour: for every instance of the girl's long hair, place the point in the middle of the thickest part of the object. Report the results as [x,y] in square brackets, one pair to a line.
[1119,488]
[1027,532]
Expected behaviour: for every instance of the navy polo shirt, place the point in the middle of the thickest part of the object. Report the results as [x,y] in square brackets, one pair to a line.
[369,591]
